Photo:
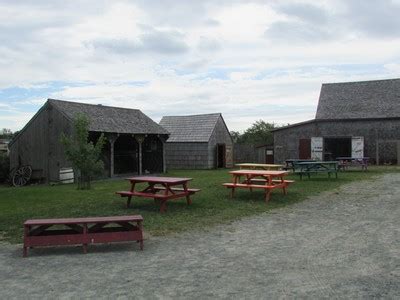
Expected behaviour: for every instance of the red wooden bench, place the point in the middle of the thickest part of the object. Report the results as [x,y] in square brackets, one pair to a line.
[75,231]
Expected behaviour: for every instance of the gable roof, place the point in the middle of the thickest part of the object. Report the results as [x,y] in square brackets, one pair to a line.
[110,119]
[194,128]
[363,99]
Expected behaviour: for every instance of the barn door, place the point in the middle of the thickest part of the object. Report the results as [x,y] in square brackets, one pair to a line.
[221,155]
[305,148]
[229,156]
[357,146]
[317,148]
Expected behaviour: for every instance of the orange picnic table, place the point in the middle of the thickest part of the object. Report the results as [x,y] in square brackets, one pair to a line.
[262,179]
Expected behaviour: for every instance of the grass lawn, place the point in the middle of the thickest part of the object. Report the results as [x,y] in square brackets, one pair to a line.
[210,206]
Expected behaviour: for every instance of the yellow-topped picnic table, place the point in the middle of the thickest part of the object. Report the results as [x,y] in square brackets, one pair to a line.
[254,166]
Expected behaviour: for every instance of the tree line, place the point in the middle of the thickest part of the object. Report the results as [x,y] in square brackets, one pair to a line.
[259,133]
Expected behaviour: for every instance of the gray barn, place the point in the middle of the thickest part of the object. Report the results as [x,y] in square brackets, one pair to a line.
[135,143]
[198,142]
[353,119]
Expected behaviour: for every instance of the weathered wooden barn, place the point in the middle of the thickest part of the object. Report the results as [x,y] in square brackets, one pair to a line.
[198,142]
[353,119]
[135,143]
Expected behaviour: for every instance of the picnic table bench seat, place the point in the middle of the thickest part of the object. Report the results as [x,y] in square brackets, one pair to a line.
[308,168]
[75,231]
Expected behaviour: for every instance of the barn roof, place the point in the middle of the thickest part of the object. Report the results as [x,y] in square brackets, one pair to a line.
[110,119]
[363,99]
[195,128]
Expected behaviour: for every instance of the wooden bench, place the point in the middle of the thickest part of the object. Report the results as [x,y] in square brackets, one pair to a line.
[75,231]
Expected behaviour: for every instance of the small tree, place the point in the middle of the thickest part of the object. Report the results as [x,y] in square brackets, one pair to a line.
[84,155]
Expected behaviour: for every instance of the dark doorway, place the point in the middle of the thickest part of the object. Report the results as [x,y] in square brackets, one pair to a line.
[126,155]
[269,156]
[305,149]
[337,147]
[221,156]
[152,155]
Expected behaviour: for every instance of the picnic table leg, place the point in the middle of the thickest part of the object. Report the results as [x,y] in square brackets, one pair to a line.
[267,195]
[284,186]
[163,206]
[128,201]
[188,200]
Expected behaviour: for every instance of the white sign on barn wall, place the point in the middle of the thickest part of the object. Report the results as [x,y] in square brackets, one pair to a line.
[317,148]
[357,147]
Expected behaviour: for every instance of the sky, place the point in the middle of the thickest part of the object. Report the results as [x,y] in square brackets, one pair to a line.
[249,60]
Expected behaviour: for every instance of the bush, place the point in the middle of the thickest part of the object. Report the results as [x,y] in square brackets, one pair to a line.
[4,166]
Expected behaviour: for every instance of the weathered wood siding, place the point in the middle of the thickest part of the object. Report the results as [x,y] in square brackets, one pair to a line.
[31,145]
[220,135]
[58,124]
[187,155]
[286,141]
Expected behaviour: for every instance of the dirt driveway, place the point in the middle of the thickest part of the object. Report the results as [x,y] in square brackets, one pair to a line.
[341,244]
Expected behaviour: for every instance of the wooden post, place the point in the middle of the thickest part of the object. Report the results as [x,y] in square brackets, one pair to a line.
[163,140]
[140,139]
[112,139]
[398,153]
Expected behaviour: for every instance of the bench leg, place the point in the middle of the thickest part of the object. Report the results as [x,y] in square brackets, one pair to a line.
[188,200]
[141,244]
[232,192]
[25,252]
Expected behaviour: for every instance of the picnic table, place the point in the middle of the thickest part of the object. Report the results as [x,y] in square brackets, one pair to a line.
[73,231]
[346,162]
[262,179]
[291,162]
[309,167]
[161,189]
[253,166]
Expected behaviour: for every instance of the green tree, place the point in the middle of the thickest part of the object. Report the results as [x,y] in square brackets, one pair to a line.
[258,134]
[84,155]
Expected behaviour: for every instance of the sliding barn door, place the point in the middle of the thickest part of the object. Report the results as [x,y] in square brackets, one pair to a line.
[357,147]
[317,148]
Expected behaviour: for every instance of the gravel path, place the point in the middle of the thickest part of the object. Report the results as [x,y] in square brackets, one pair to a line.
[340,244]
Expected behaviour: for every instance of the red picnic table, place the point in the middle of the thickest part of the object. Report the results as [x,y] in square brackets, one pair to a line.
[263,179]
[160,189]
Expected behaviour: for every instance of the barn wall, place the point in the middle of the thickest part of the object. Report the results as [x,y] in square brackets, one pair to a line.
[58,124]
[186,155]
[31,145]
[286,142]
[220,135]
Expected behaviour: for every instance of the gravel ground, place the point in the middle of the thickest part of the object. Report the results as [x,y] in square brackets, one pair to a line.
[339,244]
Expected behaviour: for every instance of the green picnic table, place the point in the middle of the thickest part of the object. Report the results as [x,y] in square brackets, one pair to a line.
[306,168]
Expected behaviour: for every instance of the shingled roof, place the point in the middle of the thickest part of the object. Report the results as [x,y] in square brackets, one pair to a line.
[110,119]
[364,99]
[195,128]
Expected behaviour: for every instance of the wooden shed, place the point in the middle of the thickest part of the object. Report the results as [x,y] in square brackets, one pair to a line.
[353,119]
[198,142]
[135,143]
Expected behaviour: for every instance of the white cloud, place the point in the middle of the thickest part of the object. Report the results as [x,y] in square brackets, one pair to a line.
[249,60]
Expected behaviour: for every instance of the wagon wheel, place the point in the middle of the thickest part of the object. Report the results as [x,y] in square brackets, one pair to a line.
[22,175]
